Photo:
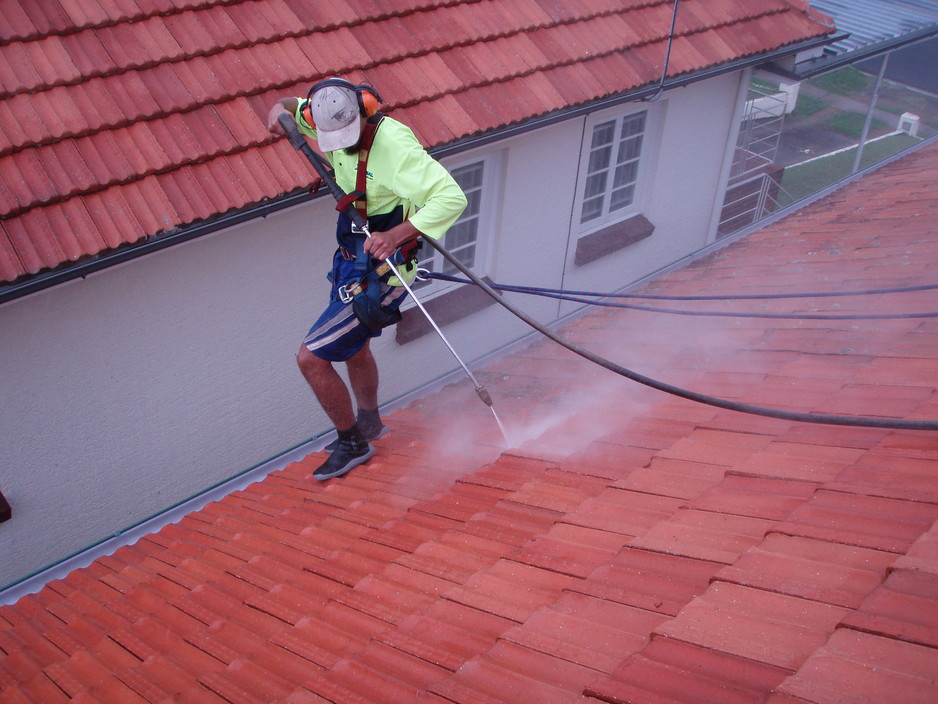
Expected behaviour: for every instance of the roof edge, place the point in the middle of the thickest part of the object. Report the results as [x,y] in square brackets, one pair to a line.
[81,269]
[830,62]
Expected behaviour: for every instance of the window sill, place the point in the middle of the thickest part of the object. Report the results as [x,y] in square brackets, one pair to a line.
[612,238]
[446,308]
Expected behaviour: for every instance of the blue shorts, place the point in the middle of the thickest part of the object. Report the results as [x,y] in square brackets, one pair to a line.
[338,335]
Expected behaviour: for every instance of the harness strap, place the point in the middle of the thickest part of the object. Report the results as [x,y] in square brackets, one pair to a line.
[358,196]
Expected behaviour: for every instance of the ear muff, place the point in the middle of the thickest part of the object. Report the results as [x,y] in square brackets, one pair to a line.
[368,98]
[307,113]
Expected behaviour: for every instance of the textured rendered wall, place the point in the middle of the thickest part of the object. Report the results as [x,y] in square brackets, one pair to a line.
[144,384]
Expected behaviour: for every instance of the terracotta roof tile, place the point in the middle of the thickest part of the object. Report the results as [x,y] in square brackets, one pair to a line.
[784,630]
[854,661]
[900,608]
[672,670]
[76,73]
[863,521]
[650,549]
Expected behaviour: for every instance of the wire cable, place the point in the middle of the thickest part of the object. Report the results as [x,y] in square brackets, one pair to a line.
[713,297]
[577,297]
[853,421]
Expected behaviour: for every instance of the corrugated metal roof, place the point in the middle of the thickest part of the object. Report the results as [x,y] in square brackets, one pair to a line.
[875,22]
[124,121]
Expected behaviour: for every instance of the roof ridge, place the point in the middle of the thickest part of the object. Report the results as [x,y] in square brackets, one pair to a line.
[18,26]
[122,75]
[251,36]
[153,74]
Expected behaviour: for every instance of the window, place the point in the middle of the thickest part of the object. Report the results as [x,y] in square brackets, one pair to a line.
[608,211]
[462,238]
[612,170]
[465,240]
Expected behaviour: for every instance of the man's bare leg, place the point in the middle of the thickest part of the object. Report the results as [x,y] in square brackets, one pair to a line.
[329,388]
[363,375]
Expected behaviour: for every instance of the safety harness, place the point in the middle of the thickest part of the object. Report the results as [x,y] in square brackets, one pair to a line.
[364,293]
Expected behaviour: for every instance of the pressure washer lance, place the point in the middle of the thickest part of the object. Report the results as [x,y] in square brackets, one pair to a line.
[298,142]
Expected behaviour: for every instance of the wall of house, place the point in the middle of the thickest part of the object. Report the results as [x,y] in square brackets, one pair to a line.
[131,390]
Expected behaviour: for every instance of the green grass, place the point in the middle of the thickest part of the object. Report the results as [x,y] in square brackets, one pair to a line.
[763,86]
[897,99]
[802,180]
[844,81]
[851,124]
[807,106]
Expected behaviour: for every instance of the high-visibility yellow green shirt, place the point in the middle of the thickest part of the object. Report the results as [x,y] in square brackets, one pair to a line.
[400,172]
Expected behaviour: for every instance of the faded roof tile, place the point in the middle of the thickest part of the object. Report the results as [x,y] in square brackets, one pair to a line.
[852,661]
[676,670]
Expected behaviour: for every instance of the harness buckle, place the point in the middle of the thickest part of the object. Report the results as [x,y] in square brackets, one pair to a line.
[348,292]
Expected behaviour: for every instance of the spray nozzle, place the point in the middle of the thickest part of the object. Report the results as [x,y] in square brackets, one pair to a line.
[484,395]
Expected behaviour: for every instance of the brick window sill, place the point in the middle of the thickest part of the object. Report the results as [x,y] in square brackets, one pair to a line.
[446,308]
[611,239]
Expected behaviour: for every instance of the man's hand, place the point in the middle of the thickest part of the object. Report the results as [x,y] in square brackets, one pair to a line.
[284,105]
[382,245]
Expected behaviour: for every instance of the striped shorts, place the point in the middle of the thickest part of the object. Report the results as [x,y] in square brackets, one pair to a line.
[338,335]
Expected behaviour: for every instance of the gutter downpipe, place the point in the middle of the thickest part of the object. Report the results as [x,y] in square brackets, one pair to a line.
[156,243]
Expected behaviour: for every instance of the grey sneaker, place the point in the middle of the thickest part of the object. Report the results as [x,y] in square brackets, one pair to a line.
[347,454]
[369,432]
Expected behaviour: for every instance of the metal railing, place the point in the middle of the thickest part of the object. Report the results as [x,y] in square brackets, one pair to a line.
[759,133]
[750,200]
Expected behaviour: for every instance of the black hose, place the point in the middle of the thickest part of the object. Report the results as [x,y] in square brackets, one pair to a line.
[562,295]
[854,421]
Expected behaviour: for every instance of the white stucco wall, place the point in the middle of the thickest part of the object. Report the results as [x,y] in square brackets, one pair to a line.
[146,383]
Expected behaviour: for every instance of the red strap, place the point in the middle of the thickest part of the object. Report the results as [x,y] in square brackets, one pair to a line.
[358,196]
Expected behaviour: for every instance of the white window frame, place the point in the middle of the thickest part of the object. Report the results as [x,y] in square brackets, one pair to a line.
[620,157]
[482,211]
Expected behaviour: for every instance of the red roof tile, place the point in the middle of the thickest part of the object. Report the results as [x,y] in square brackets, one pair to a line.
[645,549]
[881,668]
[673,670]
[78,71]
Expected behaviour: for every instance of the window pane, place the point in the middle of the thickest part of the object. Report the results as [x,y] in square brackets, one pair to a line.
[469,177]
[592,209]
[599,159]
[633,125]
[595,185]
[622,197]
[462,233]
[603,134]
[473,203]
[465,256]
[630,149]
[625,174]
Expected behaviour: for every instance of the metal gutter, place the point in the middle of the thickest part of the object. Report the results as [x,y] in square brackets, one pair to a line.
[35,581]
[84,268]
[823,64]
[155,243]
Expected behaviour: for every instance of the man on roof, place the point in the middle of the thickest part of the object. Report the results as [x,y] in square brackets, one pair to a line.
[405,194]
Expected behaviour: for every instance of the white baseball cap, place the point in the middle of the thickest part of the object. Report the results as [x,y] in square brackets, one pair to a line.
[337,116]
